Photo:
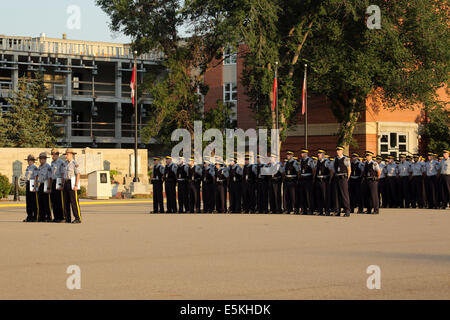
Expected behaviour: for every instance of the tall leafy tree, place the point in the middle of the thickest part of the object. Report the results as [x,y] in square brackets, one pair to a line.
[29,122]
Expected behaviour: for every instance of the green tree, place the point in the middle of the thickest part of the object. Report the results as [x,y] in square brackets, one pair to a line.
[434,129]
[29,122]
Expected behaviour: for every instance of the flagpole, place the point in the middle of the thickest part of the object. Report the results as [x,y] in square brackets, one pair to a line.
[276,97]
[306,108]
[135,120]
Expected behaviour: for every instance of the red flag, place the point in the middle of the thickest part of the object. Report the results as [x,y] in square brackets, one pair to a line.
[133,84]
[275,87]
[304,95]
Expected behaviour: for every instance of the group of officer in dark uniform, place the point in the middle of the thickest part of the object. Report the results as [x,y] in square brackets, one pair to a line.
[306,185]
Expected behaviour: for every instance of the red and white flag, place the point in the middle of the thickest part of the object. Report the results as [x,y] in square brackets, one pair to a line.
[304,95]
[133,84]
[274,90]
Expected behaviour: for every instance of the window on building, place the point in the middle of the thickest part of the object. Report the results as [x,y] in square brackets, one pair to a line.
[393,143]
[230,97]
[229,56]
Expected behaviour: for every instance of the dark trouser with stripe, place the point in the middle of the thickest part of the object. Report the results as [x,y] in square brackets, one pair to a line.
[44,204]
[305,191]
[391,191]
[158,200]
[183,200]
[405,197]
[320,193]
[342,191]
[208,197]
[290,194]
[333,198]
[192,195]
[57,198]
[235,196]
[171,196]
[71,201]
[356,194]
[262,196]
[445,189]
[220,197]
[373,201]
[248,196]
[275,196]
[198,205]
[430,186]
[31,203]
[418,191]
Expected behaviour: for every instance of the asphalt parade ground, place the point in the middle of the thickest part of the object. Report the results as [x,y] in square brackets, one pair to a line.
[125,253]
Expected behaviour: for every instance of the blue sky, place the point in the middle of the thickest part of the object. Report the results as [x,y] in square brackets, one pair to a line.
[32,17]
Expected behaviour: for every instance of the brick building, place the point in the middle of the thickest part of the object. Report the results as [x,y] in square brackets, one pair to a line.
[379,129]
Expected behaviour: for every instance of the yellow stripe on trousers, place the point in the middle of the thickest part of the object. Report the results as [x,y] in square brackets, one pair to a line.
[62,202]
[37,205]
[78,206]
[50,205]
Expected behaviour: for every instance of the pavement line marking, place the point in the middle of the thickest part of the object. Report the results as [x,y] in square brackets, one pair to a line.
[81,203]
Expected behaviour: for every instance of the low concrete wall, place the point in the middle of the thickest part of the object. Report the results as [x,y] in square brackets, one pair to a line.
[12,161]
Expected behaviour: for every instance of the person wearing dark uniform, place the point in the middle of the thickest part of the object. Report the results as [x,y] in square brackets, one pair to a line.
[235,180]
[170,181]
[71,182]
[198,176]
[275,186]
[382,182]
[31,195]
[355,185]
[391,173]
[262,195]
[307,171]
[333,199]
[208,187]
[371,174]
[191,189]
[249,186]
[342,172]
[445,179]
[418,171]
[221,175]
[321,183]
[290,174]
[183,201]
[405,177]
[157,182]
[44,187]
[431,169]
[57,193]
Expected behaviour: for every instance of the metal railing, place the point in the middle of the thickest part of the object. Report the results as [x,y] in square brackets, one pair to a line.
[67,47]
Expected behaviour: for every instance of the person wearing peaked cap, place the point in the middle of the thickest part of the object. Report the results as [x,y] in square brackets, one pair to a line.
[44,183]
[249,172]
[321,184]
[31,194]
[355,184]
[262,186]
[208,188]
[182,183]
[391,173]
[342,172]
[57,193]
[192,193]
[371,174]
[290,175]
[157,182]
[405,175]
[170,182]
[235,184]
[431,181]
[221,175]
[445,179]
[305,183]
[417,183]
[71,185]
[381,182]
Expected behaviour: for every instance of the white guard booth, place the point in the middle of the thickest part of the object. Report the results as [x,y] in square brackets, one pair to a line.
[99,185]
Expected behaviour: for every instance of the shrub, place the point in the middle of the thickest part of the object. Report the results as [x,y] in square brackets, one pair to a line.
[83,192]
[5,186]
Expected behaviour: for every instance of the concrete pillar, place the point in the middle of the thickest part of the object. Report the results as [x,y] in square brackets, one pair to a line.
[118,109]
[68,98]
[15,73]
